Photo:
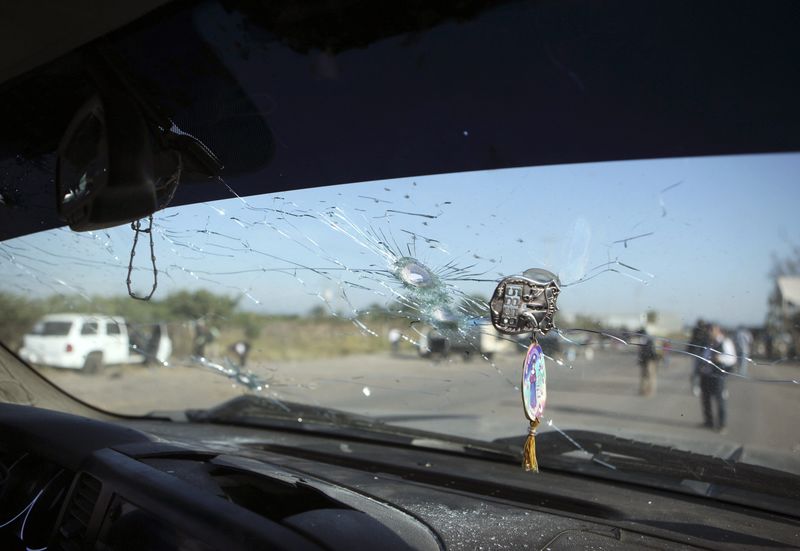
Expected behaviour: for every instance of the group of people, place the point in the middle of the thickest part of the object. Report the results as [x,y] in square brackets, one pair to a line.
[716,354]
[204,335]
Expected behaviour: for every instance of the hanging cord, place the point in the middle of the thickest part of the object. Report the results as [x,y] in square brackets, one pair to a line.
[167,191]
[137,229]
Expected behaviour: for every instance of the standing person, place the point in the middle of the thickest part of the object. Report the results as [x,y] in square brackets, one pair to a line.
[201,338]
[666,348]
[241,348]
[204,335]
[697,347]
[744,345]
[720,360]
[394,339]
[647,364]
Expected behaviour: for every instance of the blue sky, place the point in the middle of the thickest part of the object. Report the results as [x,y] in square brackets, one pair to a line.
[711,237]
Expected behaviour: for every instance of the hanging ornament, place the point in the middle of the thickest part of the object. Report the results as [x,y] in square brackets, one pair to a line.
[527,304]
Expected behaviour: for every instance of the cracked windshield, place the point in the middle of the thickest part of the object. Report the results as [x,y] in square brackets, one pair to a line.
[676,321]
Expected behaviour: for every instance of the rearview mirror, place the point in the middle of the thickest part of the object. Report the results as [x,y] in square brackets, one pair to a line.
[105,174]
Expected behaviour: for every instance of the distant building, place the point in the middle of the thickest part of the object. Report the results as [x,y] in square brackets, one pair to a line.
[783,315]
[627,322]
[788,296]
[666,324]
[657,323]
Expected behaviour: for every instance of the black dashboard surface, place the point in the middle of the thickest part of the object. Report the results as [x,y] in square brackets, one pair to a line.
[73,483]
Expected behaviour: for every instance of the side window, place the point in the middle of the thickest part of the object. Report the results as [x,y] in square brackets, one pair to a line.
[89,328]
[112,328]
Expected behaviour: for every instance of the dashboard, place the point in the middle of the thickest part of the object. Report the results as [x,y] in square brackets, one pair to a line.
[69,483]
[106,487]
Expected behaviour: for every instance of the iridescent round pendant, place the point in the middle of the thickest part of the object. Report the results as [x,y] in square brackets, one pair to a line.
[534,382]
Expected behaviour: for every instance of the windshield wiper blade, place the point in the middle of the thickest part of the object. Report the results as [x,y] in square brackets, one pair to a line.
[627,455]
[261,411]
[241,408]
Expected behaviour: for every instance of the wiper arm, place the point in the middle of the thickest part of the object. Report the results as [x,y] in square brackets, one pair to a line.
[250,410]
[628,455]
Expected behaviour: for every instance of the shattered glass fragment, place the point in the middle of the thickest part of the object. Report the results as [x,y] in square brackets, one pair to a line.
[414,274]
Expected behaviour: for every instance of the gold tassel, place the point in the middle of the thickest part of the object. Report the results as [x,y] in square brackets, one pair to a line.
[529,451]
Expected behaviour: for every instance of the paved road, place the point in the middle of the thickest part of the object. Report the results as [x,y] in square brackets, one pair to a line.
[481,400]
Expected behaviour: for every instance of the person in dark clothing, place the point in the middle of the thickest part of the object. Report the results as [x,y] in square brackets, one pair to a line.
[720,359]
[204,335]
[697,345]
[647,364]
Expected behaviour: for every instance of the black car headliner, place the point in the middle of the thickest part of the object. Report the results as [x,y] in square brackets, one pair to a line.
[350,92]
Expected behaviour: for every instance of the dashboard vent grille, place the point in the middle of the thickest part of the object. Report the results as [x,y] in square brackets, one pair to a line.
[74,525]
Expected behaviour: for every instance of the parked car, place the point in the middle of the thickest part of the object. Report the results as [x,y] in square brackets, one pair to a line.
[481,339]
[91,341]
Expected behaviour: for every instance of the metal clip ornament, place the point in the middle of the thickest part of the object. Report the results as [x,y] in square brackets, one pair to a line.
[522,304]
[526,303]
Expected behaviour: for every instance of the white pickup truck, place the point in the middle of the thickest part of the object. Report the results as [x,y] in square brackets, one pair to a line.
[91,341]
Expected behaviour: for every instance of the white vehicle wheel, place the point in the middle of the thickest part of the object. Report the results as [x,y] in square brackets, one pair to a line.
[93,365]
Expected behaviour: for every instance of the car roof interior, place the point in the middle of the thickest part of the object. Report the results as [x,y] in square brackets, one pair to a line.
[590,82]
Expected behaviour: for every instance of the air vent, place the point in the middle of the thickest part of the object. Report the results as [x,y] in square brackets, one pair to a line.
[75,522]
